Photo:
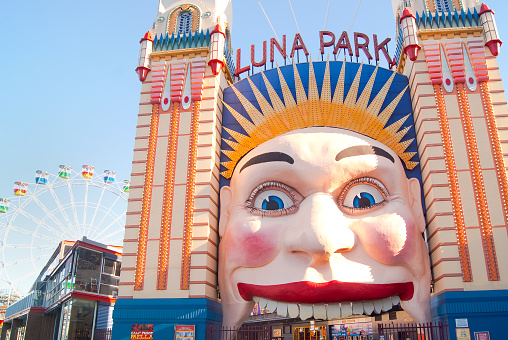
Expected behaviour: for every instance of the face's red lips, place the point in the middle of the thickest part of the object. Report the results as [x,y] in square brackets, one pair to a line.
[326,292]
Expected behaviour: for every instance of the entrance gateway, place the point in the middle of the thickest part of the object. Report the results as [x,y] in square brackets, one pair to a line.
[223,168]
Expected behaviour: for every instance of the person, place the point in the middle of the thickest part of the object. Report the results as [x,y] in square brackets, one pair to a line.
[322,222]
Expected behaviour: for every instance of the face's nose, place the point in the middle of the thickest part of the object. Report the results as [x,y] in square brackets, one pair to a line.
[321,229]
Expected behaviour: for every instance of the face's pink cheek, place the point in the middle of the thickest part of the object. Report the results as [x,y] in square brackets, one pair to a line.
[388,238]
[252,244]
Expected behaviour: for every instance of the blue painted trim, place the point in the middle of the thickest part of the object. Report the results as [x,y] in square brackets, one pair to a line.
[470,302]
[164,314]
[484,310]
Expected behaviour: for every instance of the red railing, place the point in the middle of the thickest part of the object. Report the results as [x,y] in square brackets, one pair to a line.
[413,331]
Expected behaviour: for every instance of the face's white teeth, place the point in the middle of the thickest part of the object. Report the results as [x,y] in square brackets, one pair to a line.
[306,311]
[320,311]
[282,309]
[333,311]
[293,310]
[368,307]
[357,307]
[387,304]
[262,302]
[345,309]
[378,306]
[329,311]
[271,306]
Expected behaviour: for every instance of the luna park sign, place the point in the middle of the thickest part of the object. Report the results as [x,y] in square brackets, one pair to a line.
[359,43]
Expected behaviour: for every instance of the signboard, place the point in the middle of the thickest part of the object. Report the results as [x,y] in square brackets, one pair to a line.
[184,332]
[461,323]
[277,332]
[481,335]
[142,332]
[351,329]
[463,333]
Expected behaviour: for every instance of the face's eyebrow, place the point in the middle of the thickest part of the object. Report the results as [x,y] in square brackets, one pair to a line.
[268,157]
[358,150]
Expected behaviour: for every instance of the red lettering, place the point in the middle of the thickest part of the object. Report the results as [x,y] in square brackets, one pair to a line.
[298,45]
[282,50]
[322,43]
[343,42]
[263,62]
[239,70]
[381,47]
[364,46]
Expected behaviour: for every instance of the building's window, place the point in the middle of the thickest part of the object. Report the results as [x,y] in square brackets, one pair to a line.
[65,320]
[443,5]
[392,315]
[81,320]
[88,270]
[184,22]
[110,277]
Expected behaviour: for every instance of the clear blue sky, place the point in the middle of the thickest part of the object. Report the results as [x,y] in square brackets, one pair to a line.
[68,90]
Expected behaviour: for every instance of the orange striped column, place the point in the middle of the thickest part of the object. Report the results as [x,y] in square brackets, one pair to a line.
[476,48]
[499,164]
[197,83]
[456,61]
[478,185]
[139,276]
[174,82]
[458,213]
[432,53]
[190,198]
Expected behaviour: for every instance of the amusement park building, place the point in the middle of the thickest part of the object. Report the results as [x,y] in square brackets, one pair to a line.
[444,77]
[73,297]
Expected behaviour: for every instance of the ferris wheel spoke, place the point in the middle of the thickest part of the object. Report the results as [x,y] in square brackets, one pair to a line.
[98,205]
[108,213]
[115,221]
[76,220]
[31,233]
[62,211]
[27,260]
[49,214]
[39,223]
[28,246]
[85,206]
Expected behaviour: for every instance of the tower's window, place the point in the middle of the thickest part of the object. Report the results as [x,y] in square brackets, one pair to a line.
[443,5]
[184,22]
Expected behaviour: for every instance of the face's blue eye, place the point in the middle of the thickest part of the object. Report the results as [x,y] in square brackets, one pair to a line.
[272,203]
[270,200]
[364,200]
[363,193]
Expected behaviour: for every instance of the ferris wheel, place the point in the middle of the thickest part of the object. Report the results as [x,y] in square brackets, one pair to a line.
[67,206]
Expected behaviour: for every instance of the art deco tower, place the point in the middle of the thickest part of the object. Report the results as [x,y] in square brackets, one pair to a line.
[449,50]
[170,247]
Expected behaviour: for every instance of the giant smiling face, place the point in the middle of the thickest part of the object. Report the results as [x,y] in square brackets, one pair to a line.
[322,222]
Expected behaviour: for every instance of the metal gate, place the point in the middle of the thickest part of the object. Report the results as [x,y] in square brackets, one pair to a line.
[413,331]
[239,333]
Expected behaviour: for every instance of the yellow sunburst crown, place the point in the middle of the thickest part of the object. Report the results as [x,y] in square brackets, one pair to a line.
[353,113]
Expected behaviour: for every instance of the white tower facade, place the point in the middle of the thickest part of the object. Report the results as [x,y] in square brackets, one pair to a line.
[170,247]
